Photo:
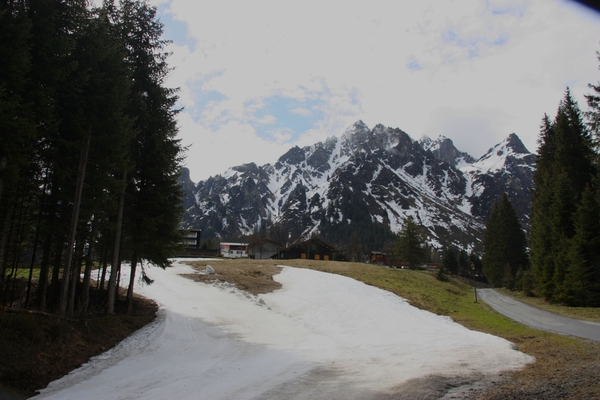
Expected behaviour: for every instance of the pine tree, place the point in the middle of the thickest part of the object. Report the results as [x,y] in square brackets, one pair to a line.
[16,125]
[84,116]
[505,245]
[581,283]
[493,260]
[450,260]
[16,128]
[153,208]
[464,267]
[566,167]
[541,243]
[410,244]
[593,115]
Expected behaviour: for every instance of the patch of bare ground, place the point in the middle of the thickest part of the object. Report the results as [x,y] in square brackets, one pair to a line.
[253,276]
[565,368]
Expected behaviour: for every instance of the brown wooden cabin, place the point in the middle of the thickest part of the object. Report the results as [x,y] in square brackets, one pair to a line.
[313,249]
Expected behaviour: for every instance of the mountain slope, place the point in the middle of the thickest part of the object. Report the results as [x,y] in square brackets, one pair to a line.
[360,187]
[507,167]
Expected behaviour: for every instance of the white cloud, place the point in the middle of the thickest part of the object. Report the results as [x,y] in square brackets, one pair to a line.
[474,71]
[281,136]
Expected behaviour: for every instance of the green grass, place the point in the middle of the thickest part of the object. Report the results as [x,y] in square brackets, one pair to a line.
[24,273]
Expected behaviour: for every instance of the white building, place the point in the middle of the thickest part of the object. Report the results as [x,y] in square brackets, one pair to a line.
[234,250]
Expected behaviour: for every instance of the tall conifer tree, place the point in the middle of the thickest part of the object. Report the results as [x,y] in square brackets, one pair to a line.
[566,167]
[450,260]
[581,283]
[153,208]
[505,245]
[410,245]
[541,243]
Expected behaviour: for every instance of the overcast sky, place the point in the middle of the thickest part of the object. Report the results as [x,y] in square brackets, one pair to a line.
[258,77]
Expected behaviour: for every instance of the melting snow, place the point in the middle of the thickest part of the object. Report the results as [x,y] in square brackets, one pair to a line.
[321,335]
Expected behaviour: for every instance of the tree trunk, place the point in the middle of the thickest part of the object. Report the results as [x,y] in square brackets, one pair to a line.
[129,299]
[64,294]
[4,238]
[2,167]
[17,247]
[35,245]
[85,291]
[104,264]
[56,272]
[44,270]
[112,281]
[75,275]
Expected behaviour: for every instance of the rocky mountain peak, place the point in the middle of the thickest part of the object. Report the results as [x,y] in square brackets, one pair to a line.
[365,182]
[515,143]
[443,148]
[294,156]
[505,155]
[188,188]
[356,128]
[359,138]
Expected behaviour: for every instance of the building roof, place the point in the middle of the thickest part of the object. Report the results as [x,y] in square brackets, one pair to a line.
[311,240]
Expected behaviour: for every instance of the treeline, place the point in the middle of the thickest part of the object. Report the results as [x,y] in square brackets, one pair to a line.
[565,225]
[89,158]
[563,261]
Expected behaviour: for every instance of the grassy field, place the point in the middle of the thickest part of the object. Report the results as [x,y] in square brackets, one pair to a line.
[565,368]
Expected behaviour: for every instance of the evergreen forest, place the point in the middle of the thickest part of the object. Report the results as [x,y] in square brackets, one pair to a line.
[563,261]
[89,158]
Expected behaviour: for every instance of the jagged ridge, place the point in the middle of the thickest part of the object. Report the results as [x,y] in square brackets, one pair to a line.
[365,183]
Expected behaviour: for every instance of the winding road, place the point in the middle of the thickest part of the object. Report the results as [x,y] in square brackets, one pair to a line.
[539,319]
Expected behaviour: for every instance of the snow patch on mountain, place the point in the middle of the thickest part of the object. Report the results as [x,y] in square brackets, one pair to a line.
[380,174]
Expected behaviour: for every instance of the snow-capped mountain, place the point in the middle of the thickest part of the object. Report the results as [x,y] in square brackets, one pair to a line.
[364,183]
[444,149]
[507,167]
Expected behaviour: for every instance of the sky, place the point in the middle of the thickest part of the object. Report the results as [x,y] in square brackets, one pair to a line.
[259,77]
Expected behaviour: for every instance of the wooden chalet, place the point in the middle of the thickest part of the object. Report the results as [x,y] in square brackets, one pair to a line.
[387,259]
[378,257]
[312,249]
